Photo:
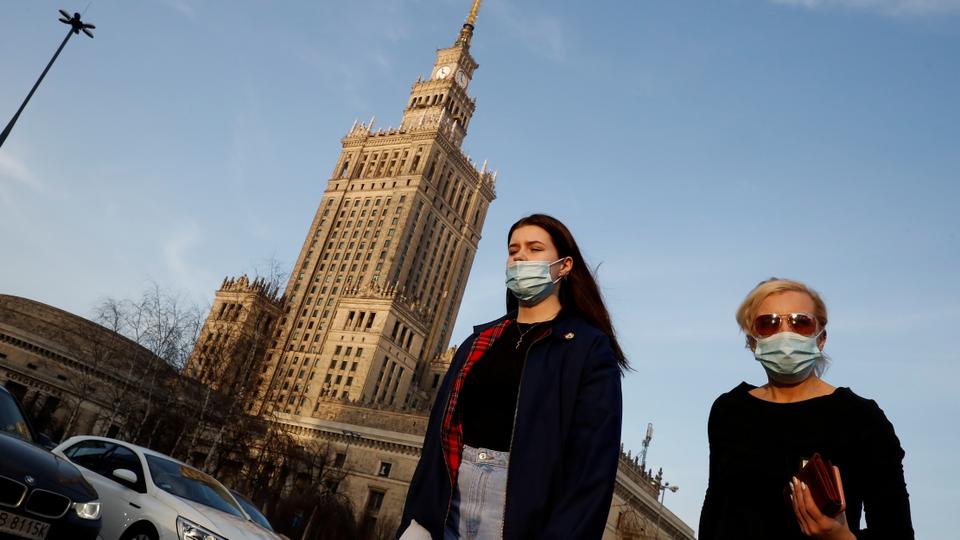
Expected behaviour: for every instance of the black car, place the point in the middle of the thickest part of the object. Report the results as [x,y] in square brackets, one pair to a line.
[42,496]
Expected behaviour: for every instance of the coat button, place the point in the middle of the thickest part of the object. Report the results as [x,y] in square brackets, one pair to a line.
[568,336]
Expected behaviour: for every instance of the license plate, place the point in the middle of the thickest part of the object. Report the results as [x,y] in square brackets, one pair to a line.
[23,527]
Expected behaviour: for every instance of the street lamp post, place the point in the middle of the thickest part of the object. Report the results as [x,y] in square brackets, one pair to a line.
[663,491]
[76,26]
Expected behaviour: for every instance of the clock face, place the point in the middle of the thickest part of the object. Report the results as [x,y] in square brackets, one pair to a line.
[443,72]
[461,78]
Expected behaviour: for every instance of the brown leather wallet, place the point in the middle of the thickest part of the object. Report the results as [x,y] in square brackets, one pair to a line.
[818,475]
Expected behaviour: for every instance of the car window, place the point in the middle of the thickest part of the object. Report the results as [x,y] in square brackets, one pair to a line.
[11,419]
[254,512]
[189,483]
[88,454]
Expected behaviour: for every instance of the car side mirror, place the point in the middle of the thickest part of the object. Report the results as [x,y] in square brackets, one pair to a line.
[126,475]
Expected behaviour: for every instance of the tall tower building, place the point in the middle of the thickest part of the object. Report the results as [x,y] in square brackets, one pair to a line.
[374,294]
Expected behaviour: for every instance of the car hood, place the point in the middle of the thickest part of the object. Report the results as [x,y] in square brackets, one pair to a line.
[222,523]
[49,471]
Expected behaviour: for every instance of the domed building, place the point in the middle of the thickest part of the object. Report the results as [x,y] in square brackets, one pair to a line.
[71,374]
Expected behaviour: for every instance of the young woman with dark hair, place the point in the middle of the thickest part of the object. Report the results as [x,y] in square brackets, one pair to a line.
[524,437]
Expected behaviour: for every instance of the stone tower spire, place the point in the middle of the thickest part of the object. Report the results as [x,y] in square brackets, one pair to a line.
[466,33]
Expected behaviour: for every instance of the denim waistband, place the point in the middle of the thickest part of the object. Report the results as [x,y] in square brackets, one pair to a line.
[485,456]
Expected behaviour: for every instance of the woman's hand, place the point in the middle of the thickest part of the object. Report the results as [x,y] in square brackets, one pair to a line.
[812,522]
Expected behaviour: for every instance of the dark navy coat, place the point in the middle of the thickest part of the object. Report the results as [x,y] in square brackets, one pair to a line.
[563,462]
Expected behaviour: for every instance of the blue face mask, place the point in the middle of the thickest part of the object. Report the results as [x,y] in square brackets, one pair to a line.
[787,357]
[530,281]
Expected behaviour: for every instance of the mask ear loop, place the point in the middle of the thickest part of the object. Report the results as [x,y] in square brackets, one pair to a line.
[562,276]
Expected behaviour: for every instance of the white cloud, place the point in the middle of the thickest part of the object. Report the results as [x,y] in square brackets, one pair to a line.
[183,7]
[183,265]
[13,175]
[887,7]
[175,250]
[12,169]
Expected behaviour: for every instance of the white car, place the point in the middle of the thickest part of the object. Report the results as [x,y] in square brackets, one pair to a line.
[146,495]
[255,514]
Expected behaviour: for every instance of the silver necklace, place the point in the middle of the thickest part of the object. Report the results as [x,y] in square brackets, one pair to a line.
[528,330]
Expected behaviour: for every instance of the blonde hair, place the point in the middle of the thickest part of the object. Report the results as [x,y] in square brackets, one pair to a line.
[747,312]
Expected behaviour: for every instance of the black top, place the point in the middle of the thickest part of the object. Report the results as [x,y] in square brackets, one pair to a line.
[488,400]
[756,446]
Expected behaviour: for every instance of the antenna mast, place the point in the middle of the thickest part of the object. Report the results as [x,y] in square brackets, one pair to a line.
[646,445]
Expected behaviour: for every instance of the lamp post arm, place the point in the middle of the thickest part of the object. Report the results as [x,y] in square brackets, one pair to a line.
[9,128]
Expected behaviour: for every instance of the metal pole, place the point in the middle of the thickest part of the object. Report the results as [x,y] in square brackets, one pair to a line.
[663,492]
[6,130]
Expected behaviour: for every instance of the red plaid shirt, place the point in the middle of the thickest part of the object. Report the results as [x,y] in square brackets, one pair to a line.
[451,434]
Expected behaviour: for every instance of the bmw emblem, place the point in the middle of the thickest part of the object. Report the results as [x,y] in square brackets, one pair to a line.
[29,479]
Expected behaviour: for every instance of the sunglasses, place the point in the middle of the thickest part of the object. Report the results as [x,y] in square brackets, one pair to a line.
[769,324]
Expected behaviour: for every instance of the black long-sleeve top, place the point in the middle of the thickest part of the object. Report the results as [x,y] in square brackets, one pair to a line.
[756,446]
[488,400]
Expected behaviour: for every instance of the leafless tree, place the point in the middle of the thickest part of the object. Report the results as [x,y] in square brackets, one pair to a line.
[164,324]
[86,382]
[249,350]
[272,271]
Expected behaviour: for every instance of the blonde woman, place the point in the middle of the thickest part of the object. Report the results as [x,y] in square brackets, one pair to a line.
[760,435]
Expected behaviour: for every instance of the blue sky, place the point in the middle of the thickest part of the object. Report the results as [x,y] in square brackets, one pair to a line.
[694,148]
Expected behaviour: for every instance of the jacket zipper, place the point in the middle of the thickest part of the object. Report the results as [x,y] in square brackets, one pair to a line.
[513,431]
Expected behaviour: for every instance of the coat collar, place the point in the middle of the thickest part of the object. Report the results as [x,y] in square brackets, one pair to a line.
[564,326]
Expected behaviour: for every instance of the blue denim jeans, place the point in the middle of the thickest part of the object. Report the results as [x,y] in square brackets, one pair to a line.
[476,512]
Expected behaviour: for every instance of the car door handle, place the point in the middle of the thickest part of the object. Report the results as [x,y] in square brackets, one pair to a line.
[137,506]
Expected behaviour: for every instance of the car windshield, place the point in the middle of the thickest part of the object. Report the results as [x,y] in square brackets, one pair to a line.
[11,419]
[254,512]
[189,483]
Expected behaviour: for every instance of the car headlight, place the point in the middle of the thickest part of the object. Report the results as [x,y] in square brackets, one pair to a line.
[188,530]
[87,510]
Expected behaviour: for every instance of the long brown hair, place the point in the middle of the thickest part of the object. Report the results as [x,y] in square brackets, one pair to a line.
[579,293]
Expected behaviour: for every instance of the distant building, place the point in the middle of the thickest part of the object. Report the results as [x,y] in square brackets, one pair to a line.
[72,375]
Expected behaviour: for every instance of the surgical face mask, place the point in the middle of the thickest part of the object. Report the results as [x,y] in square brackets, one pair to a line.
[530,281]
[787,357]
